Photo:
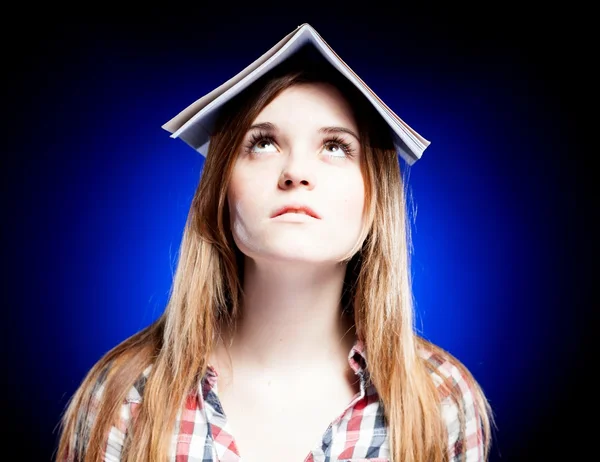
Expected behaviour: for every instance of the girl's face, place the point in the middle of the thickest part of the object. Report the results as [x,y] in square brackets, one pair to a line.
[297,191]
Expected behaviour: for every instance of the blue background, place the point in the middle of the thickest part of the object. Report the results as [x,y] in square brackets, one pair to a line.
[96,194]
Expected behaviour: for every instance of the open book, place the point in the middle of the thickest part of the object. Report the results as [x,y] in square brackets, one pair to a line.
[195,123]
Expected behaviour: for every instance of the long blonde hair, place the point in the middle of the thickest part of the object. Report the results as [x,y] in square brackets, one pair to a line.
[206,294]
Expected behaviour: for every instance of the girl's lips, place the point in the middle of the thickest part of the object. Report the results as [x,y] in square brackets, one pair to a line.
[294,218]
[297,209]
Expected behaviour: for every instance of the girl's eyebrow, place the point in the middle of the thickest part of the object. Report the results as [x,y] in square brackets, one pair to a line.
[330,130]
[268,126]
[264,126]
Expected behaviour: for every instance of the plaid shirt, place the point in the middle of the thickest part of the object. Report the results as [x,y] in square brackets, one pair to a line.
[358,434]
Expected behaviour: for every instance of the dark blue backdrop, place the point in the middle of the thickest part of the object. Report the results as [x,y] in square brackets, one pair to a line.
[96,195]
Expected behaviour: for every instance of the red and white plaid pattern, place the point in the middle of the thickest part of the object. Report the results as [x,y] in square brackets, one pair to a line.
[359,434]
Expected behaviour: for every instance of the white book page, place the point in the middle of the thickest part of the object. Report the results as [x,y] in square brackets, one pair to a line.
[390,116]
[203,112]
[243,78]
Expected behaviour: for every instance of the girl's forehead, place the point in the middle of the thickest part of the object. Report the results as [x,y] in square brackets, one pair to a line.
[315,103]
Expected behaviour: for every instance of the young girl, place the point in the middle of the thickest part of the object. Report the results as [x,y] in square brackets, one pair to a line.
[288,335]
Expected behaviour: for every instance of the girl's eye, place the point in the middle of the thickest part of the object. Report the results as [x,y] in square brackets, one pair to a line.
[335,150]
[262,145]
[336,147]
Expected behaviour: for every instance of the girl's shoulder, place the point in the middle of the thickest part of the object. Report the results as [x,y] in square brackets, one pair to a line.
[97,403]
[448,373]
[135,391]
[463,408]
